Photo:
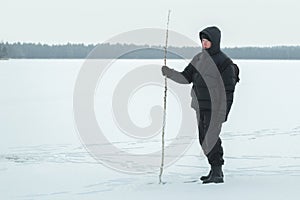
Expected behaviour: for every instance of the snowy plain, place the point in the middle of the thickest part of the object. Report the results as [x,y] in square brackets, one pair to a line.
[42,157]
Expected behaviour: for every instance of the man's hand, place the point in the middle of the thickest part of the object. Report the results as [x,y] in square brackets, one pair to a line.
[166,71]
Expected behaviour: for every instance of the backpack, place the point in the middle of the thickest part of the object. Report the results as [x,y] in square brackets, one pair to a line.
[237,72]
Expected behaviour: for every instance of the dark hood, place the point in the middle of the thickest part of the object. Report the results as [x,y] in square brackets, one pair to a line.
[214,35]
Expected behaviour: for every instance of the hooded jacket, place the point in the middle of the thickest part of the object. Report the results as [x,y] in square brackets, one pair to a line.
[226,67]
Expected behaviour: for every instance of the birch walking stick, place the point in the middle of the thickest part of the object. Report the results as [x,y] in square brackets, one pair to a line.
[165,106]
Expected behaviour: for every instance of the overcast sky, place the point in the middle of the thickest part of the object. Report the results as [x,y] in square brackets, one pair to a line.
[243,23]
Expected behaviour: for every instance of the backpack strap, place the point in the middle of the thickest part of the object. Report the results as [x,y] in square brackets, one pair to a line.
[225,64]
[228,62]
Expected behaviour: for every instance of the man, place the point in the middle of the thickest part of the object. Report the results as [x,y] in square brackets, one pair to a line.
[210,38]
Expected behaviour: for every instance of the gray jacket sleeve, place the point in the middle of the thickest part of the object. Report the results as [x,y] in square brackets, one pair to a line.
[184,77]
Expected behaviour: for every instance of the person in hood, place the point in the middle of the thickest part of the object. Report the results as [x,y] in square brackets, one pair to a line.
[201,101]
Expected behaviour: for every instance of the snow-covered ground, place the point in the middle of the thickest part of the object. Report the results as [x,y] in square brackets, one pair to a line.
[41,156]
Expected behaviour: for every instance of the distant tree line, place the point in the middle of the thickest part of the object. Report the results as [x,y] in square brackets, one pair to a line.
[70,51]
[3,51]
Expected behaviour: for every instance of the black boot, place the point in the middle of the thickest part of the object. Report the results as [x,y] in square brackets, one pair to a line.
[202,178]
[216,175]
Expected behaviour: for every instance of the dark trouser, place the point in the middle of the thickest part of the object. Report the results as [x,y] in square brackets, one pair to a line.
[215,155]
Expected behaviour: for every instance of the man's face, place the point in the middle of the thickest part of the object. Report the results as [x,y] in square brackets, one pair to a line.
[206,44]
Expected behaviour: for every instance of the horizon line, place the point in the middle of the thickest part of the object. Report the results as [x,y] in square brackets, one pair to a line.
[150,45]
